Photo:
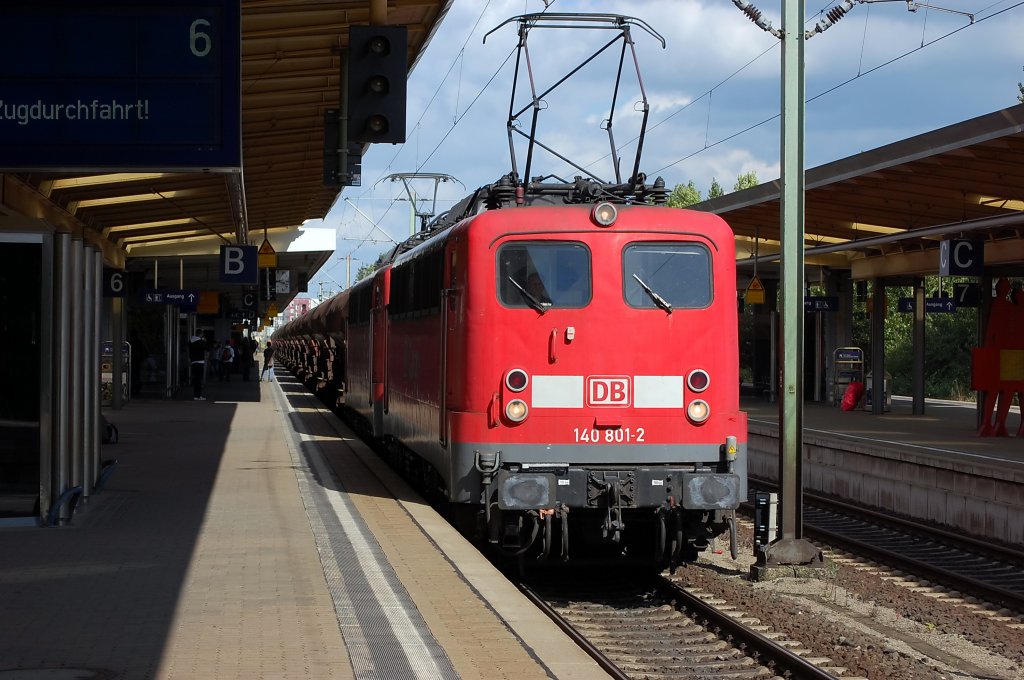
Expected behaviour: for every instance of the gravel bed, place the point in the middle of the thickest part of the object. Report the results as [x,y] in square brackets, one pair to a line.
[871,626]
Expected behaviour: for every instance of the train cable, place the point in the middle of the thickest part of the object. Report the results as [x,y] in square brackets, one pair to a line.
[860,73]
[977,21]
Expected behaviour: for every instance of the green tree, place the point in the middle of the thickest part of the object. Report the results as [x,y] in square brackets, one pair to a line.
[716,189]
[684,195]
[948,342]
[368,269]
[745,181]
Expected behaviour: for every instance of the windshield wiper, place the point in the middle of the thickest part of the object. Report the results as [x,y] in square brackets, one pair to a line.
[658,300]
[532,301]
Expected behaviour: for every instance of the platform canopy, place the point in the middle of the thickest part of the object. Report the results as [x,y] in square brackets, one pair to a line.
[290,75]
[883,212]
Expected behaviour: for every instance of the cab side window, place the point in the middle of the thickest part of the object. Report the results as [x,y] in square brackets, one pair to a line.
[680,273]
[556,274]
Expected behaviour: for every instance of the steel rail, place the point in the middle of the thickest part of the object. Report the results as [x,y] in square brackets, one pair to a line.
[995,594]
[1000,596]
[577,637]
[766,651]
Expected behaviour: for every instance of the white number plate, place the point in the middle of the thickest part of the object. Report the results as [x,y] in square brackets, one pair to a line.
[620,435]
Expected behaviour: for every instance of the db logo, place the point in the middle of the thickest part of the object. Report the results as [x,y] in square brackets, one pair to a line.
[608,390]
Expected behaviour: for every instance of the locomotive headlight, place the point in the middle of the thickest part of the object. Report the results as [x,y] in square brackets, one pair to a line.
[698,380]
[516,410]
[698,411]
[604,214]
[517,380]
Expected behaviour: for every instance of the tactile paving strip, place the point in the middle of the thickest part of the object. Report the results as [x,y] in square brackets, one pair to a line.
[383,630]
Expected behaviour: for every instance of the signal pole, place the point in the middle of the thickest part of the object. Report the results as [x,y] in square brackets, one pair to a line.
[792,548]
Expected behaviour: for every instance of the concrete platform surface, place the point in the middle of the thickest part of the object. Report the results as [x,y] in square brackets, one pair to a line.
[199,559]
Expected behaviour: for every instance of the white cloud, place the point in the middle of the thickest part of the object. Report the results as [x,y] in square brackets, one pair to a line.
[714,92]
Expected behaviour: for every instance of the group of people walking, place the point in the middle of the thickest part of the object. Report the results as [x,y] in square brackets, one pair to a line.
[221,359]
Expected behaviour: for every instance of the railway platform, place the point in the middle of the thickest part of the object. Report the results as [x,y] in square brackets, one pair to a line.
[251,536]
[932,466]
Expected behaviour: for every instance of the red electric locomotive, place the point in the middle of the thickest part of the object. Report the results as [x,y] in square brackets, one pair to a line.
[560,370]
[557,361]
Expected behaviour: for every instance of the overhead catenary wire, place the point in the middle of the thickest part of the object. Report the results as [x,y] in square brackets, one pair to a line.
[457,118]
[860,74]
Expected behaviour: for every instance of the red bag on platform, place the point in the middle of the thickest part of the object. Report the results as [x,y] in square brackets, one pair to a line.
[851,397]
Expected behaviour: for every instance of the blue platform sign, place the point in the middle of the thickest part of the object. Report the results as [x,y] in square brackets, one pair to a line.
[151,296]
[931,305]
[962,257]
[120,85]
[186,299]
[821,303]
[238,264]
[966,295]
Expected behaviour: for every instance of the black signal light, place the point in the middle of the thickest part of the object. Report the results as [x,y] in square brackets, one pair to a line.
[378,70]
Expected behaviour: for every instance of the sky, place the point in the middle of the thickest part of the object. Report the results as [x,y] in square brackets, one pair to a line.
[881,74]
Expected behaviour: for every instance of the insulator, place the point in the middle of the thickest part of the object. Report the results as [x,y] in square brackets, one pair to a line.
[502,192]
[836,13]
[659,192]
[753,13]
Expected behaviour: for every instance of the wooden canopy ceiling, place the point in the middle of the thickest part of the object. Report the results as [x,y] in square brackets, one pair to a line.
[879,212]
[884,211]
[290,73]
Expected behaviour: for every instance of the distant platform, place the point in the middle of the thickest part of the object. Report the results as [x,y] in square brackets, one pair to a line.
[931,466]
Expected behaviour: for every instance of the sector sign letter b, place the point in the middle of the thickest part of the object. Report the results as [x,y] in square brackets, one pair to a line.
[238,264]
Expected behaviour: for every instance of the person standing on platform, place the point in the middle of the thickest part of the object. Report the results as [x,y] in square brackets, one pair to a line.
[197,357]
[227,359]
[268,362]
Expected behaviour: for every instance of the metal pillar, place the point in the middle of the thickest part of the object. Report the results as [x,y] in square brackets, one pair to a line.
[170,335]
[878,347]
[96,339]
[819,356]
[47,375]
[76,412]
[117,363]
[918,348]
[90,385]
[791,548]
[62,368]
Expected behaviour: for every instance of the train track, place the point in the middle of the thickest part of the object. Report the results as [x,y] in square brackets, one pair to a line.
[985,570]
[653,628]
[659,630]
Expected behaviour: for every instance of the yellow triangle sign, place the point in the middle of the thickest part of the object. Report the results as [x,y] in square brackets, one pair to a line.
[267,258]
[754,294]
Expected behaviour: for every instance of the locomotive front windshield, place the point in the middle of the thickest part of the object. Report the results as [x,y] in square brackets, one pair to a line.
[667,275]
[544,275]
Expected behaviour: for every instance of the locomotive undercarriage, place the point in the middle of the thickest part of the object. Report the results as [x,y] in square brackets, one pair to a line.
[663,515]
[662,537]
